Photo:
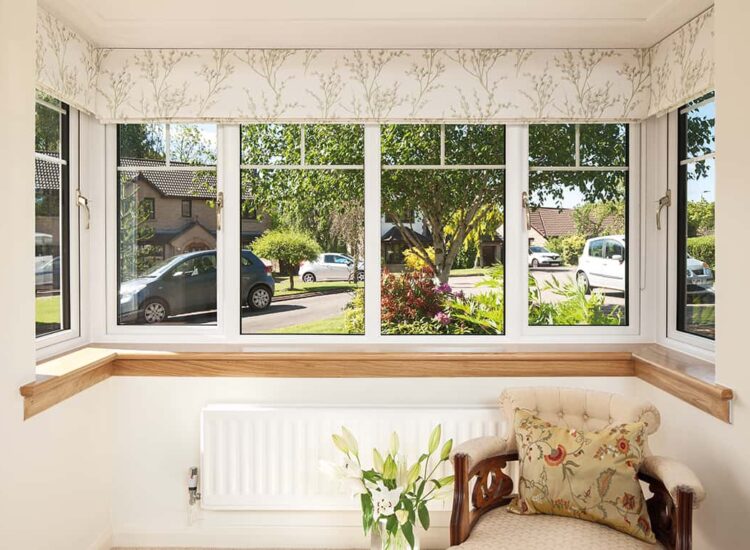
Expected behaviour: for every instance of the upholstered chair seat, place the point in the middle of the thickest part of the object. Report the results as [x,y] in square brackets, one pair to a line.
[483,487]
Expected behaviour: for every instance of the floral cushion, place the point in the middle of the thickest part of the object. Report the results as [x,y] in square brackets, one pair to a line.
[586,475]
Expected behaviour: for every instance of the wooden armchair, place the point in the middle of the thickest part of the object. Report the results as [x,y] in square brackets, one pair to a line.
[482,484]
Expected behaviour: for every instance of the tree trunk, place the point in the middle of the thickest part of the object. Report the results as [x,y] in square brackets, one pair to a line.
[291,280]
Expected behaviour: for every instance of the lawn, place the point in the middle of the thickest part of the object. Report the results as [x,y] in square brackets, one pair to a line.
[332,325]
[48,309]
[282,286]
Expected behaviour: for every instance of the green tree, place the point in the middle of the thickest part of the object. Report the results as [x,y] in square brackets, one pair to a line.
[603,218]
[141,141]
[701,218]
[289,247]
[135,257]
[308,200]
[452,204]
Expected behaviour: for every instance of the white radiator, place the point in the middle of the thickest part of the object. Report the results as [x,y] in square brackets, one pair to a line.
[267,458]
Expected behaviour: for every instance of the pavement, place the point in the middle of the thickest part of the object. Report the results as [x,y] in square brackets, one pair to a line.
[294,312]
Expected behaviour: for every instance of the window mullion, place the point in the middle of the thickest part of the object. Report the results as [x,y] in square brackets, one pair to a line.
[515,235]
[372,231]
[229,241]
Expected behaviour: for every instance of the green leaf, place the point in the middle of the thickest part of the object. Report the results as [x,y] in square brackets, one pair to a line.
[424,516]
[367,509]
[434,439]
[408,532]
[445,481]
[391,525]
[446,450]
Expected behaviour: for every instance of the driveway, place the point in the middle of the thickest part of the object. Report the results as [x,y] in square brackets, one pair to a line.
[294,312]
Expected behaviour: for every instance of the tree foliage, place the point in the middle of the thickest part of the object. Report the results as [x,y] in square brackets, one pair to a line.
[701,218]
[596,219]
[288,247]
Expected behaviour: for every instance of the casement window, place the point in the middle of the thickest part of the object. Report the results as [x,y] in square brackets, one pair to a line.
[696,199]
[577,223]
[167,265]
[55,262]
[443,204]
[302,229]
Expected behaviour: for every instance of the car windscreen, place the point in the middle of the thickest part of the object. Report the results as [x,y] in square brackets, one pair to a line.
[537,249]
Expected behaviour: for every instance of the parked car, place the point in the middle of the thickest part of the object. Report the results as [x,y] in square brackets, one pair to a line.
[331,266]
[48,274]
[187,284]
[698,272]
[602,263]
[538,255]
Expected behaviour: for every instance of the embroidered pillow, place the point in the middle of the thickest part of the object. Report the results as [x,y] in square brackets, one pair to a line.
[585,475]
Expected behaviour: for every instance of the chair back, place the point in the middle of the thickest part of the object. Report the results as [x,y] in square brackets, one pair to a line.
[579,409]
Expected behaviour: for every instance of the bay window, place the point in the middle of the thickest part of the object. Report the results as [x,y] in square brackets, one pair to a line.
[167,265]
[52,263]
[302,229]
[696,191]
[577,222]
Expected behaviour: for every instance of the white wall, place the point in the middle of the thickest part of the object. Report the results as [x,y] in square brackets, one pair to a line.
[156,433]
[56,467]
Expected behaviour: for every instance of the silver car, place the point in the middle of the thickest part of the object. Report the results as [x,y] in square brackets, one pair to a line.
[331,266]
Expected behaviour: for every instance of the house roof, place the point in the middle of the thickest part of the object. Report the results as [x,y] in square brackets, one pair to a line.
[393,235]
[47,174]
[161,237]
[552,222]
[173,183]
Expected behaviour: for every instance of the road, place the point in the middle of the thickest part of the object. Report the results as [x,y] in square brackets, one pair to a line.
[294,312]
[565,274]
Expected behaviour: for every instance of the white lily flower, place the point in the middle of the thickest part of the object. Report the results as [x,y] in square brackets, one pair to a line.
[384,500]
[349,476]
[402,477]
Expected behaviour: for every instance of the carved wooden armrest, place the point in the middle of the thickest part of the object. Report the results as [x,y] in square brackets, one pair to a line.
[675,476]
[671,516]
[480,461]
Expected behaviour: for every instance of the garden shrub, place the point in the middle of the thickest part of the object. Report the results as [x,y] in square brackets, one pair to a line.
[413,262]
[576,308]
[354,314]
[703,249]
[569,248]
[409,296]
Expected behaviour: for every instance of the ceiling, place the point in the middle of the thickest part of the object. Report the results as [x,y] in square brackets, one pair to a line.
[375,23]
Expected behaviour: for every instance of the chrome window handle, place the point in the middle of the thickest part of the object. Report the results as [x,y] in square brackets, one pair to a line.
[525,204]
[665,201]
[219,209]
[83,202]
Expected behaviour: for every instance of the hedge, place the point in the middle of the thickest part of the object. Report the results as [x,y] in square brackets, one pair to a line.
[703,249]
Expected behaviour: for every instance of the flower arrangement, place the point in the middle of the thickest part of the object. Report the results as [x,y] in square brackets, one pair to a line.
[393,495]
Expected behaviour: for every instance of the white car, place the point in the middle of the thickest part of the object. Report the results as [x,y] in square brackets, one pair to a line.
[331,266]
[602,263]
[538,255]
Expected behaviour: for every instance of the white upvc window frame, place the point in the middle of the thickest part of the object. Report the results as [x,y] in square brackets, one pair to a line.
[66,339]
[631,331]
[690,343]
[228,330]
[155,333]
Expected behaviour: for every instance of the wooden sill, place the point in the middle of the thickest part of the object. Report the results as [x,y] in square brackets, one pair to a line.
[684,376]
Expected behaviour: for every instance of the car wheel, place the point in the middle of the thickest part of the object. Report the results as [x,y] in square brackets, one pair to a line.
[583,282]
[360,276]
[535,263]
[308,278]
[259,298]
[155,311]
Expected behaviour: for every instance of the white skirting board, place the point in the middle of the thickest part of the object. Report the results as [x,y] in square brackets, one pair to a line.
[267,458]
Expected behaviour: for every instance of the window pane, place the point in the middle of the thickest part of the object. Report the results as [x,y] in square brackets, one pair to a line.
[442,250]
[302,234]
[193,144]
[475,144]
[342,144]
[604,144]
[577,240]
[47,131]
[48,263]
[552,145]
[141,141]
[410,144]
[699,128]
[696,289]
[265,144]
[156,243]
[51,191]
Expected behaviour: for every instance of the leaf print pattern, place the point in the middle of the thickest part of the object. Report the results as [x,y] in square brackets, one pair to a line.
[428,85]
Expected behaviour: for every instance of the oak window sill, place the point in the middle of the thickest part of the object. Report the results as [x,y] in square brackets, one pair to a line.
[681,375]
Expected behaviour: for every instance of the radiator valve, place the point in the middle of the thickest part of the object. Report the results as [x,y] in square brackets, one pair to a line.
[193,480]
